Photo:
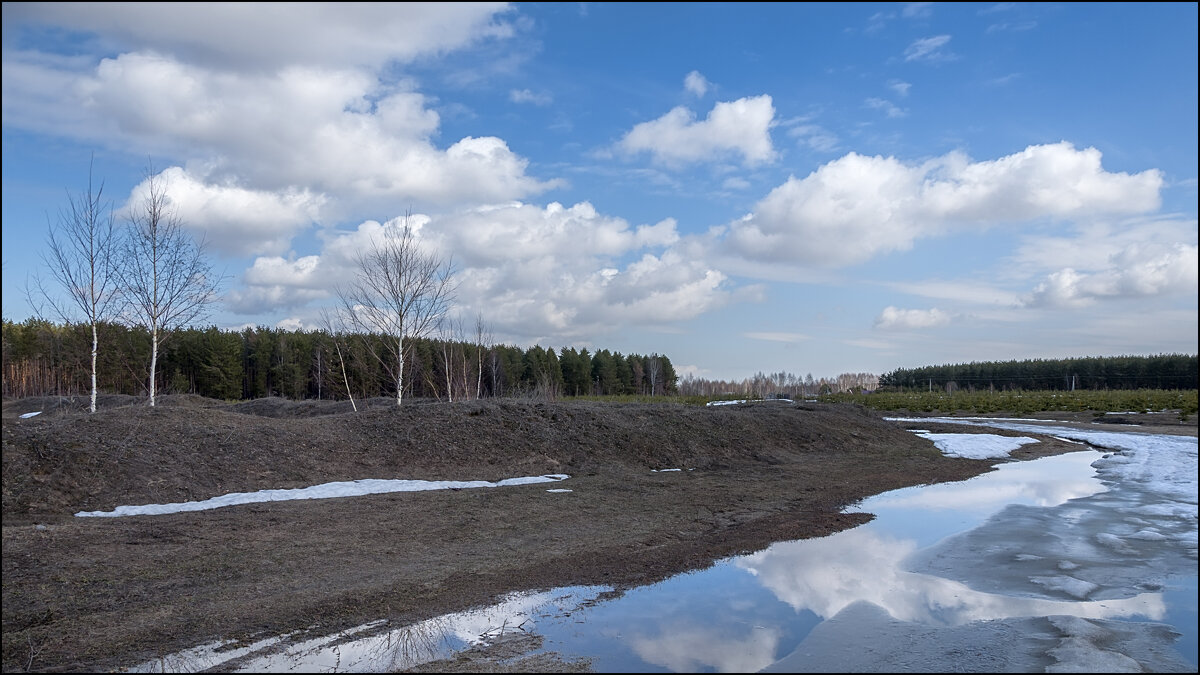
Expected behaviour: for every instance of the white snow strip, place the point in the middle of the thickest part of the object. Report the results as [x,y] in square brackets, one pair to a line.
[662,470]
[953,419]
[356,488]
[760,400]
[31,414]
[560,490]
[977,446]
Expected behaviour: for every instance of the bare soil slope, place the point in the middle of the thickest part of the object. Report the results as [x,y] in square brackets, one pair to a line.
[105,593]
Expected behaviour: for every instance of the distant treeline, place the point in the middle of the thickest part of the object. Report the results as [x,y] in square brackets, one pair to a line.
[777,385]
[1166,371]
[42,358]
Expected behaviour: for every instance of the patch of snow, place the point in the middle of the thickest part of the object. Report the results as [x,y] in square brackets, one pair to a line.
[759,400]
[356,488]
[977,446]
[31,414]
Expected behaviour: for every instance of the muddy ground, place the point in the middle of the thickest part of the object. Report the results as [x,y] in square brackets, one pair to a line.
[88,594]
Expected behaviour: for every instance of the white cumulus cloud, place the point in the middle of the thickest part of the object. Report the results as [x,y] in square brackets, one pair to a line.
[300,118]
[696,83]
[235,220]
[858,207]
[264,36]
[1138,271]
[555,274]
[740,127]
[894,318]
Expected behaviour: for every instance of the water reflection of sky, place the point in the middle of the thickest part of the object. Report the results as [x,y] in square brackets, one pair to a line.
[1084,561]
[926,514]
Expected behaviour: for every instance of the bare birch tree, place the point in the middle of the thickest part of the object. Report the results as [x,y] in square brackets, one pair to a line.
[333,324]
[483,336]
[401,291]
[451,334]
[82,258]
[164,272]
[654,373]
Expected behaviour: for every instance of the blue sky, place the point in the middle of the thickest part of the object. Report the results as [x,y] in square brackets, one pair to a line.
[814,188]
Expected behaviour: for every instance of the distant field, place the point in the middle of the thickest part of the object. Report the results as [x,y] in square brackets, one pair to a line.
[1136,400]
[981,402]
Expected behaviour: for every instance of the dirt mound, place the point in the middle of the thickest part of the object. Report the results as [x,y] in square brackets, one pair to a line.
[283,407]
[79,404]
[102,594]
[187,449]
[66,404]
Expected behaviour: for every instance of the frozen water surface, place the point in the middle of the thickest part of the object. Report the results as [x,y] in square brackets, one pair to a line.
[1084,562]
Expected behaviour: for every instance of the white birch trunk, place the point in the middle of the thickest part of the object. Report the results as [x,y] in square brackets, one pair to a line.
[153,362]
[95,349]
[449,383]
[342,363]
[400,373]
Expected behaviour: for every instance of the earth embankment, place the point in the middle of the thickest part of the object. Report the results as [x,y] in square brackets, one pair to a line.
[105,593]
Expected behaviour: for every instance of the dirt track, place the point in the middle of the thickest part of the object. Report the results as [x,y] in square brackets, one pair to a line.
[106,593]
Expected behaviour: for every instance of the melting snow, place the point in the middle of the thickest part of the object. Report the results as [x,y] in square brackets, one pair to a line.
[355,488]
[976,446]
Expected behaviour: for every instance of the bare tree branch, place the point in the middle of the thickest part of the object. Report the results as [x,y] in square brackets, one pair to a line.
[450,329]
[335,327]
[165,274]
[483,336]
[82,260]
[399,290]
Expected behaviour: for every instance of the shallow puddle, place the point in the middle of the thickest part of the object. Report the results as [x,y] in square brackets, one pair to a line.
[1079,561]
